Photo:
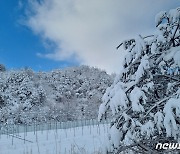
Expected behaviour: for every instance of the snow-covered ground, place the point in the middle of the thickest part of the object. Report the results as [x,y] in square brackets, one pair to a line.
[79,140]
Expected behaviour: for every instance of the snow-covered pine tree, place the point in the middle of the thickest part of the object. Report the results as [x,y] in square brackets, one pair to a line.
[2,68]
[145,97]
[27,96]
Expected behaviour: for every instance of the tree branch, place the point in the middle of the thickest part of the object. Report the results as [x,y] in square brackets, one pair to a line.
[126,147]
[158,103]
[173,38]
[119,46]
[168,76]
[136,144]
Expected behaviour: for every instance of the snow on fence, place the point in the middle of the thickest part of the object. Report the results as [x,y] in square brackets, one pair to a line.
[82,137]
[51,125]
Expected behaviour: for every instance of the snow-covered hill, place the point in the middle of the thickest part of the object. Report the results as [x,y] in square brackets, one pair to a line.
[67,94]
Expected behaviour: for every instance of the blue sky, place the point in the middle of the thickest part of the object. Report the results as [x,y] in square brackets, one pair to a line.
[19,45]
[60,33]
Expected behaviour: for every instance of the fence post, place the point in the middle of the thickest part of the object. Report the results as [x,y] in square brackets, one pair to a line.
[24,135]
[0,130]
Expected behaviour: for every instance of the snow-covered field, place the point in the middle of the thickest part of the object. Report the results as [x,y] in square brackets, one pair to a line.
[77,140]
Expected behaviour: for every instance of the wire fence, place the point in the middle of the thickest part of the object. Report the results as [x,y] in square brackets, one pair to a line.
[62,137]
[51,125]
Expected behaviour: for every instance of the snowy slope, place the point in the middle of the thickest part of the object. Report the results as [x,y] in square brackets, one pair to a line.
[79,140]
[27,96]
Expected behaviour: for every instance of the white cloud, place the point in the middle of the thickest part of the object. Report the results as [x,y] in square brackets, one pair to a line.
[90,30]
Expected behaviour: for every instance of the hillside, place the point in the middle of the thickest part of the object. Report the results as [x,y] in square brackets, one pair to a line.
[65,94]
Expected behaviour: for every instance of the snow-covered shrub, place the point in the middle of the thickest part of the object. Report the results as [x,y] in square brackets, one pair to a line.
[29,96]
[145,98]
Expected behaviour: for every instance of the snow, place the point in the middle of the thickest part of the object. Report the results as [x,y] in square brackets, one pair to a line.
[27,96]
[106,96]
[148,83]
[79,140]
[161,65]
[169,120]
[153,48]
[114,97]
[115,136]
[173,53]
[174,15]
[144,65]
[158,120]
[119,101]
[148,86]
[170,88]
[128,140]
[147,129]
[176,58]
[159,17]
[135,96]
[102,110]
[128,58]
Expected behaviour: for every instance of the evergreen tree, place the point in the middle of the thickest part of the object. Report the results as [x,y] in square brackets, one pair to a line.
[2,68]
[145,97]
[27,96]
